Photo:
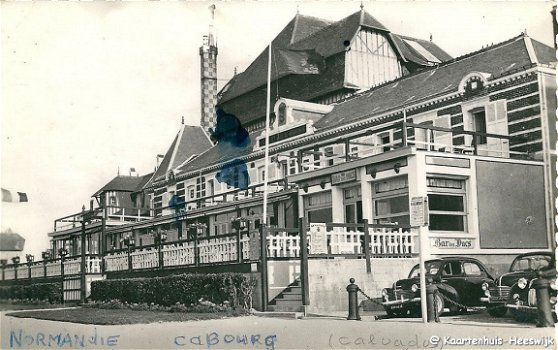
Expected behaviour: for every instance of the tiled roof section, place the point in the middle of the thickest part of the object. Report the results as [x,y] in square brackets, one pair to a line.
[412,55]
[331,39]
[11,242]
[495,60]
[545,54]
[219,154]
[190,141]
[193,141]
[255,75]
[143,182]
[122,183]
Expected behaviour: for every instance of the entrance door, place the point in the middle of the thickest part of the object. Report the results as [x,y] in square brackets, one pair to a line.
[352,203]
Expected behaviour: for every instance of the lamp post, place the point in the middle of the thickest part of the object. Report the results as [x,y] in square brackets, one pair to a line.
[62,252]
[194,232]
[15,260]
[30,258]
[3,262]
[46,256]
[159,236]
[129,242]
[239,224]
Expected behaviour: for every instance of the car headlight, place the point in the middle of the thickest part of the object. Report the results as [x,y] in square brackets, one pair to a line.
[414,288]
[484,286]
[553,284]
[522,283]
[487,293]
[552,300]
[384,293]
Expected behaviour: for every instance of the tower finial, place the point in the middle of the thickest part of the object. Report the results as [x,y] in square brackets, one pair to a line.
[182,120]
[361,5]
[297,9]
[430,37]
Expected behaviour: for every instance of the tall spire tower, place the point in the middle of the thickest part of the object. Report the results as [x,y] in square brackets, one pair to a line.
[208,58]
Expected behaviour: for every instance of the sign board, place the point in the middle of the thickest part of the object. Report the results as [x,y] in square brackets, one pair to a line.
[419,211]
[452,243]
[318,244]
[344,176]
[255,245]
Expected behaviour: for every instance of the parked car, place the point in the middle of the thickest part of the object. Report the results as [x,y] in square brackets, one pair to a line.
[523,268]
[458,278]
[522,300]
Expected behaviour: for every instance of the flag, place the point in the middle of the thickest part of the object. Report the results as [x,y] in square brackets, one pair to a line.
[302,61]
[12,196]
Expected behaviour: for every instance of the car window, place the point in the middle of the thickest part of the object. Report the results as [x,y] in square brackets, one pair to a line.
[531,262]
[471,269]
[452,269]
[432,268]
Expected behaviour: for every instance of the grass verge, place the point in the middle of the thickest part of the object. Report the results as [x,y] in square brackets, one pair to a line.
[121,316]
[13,307]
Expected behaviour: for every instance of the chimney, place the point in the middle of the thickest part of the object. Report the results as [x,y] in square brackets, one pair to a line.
[208,66]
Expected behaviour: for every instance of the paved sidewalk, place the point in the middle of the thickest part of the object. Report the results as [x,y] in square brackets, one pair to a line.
[253,332]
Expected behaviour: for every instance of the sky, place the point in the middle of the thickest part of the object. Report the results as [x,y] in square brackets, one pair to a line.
[88,88]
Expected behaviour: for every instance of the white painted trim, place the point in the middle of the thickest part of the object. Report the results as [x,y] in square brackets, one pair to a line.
[530,49]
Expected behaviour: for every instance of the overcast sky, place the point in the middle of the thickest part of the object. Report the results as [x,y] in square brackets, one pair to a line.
[88,87]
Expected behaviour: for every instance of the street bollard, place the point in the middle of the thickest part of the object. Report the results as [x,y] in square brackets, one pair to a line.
[431,315]
[544,312]
[353,301]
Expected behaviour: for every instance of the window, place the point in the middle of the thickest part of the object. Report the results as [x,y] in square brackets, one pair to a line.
[391,201]
[261,173]
[317,207]
[328,153]
[385,141]
[200,187]
[191,192]
[447,204]
[471,269]
[452,269]
[292,164]
[112,200]
[479,125]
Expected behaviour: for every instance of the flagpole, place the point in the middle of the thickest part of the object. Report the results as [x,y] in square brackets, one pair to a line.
[266,152]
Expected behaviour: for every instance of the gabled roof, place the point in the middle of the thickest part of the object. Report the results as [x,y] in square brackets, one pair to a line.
[331,39]
[11,242]
[327,39]
[124,183]
[255,75]
[190,142]
[495,60]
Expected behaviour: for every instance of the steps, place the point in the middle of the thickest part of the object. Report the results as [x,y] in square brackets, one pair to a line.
[289,300]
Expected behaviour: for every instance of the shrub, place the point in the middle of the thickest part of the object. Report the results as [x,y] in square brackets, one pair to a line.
[48,292]
[184,289]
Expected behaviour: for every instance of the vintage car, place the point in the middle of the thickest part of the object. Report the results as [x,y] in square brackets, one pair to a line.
[458,279]
[523,268]
[522,300]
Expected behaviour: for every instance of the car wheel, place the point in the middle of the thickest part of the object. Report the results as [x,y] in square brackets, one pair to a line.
[439,304]
[394,313]
[497,311]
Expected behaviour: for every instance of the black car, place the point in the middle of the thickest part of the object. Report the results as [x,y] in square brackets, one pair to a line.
[522,300]
[523,269]
[458,279]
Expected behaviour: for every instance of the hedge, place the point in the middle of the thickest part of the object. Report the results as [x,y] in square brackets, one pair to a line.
[50,292]
[187,289]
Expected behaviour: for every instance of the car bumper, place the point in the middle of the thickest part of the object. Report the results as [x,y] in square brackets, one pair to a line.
[391,303]
[492,300]
[521,307]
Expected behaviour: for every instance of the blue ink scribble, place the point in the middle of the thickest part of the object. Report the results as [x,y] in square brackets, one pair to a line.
[229,130]
[178,207]
[228,134]
[235,174]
